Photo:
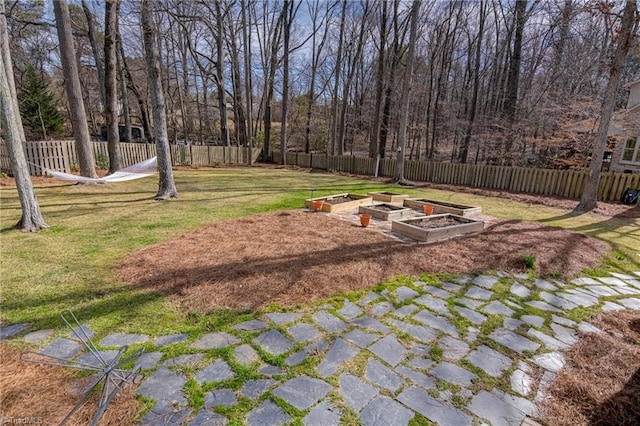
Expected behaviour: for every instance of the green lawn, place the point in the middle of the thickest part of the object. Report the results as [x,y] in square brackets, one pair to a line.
[72,265]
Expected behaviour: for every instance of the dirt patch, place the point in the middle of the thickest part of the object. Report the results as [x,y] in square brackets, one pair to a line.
[46,394]
[600,383]
[295,256]
[437,223]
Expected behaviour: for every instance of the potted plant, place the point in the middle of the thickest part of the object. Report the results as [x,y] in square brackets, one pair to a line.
[365,218]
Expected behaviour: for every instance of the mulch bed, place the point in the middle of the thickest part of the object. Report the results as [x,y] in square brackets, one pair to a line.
[600,382]
[295,256]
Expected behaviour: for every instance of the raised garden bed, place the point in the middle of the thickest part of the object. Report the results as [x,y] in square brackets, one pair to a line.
[436,227]
[385,211]
[339,202]
[388,197]
[440,207]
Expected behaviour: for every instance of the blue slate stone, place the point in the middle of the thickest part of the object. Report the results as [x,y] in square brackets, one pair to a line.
[490,361]
[314,349]
[330,323]
[485,281]
[382,376]
[82,332]
[498,308]
[437,322]
[171,339]
[435,291]
[207,418]
[349,311]
[245,354]
[38,336]
[355,392]
[368,298]
[323,414]
[254,388]
[273,342]
[405,293]
[420,333]
[220,397]
[271,370]
[267,414]
[513,341]
[163,385]
[339,353]
[304,332]
[371,323]
[148,360]
[453,348]
[303,392]
[188,360]
[478,293]
[252,325]
[7,331]
[385,411]
[380,309]
[283,318]
[88,358]
[435,304]
[416,377]
[63,348]
[167,413]
[533,320]
[404,311]
[499,408]
[389,350]
[119,339]
[440,412]
[475,317]
[453,374]
[361,338]
[215,341]
[215,372]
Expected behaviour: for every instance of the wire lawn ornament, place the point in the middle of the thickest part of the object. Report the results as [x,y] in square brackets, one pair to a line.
[108,372]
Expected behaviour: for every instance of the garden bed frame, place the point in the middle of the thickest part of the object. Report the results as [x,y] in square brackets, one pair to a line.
[440,207]
[356,200]
[394,212]
[410,228]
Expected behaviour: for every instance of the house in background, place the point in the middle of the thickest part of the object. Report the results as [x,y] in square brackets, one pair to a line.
[626,156]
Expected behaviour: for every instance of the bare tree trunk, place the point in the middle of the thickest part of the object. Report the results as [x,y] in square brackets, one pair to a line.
[95,48]
[334,105]
[166,185]
[247,79]
[273,63]
[375,128]
[31,219]
[112,8]
[74,90]
[473,107]
[589,199]
[222,102]
[123,88]
[288,16]
[511,101]
[406,86]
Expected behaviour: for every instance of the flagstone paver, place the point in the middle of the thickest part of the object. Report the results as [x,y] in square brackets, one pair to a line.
[303,392]
[393,342]
[171,339]
[215,340]
[385,411]
[389,350]
[349,310]
[8,331]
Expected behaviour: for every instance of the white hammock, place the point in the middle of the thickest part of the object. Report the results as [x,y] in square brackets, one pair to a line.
[136,171]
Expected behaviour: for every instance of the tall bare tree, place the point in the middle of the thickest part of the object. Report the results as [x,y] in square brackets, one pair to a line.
[166,186]
[31,219]
[406,86]
[626,34]
[246,41]
[112,8]
[73,89]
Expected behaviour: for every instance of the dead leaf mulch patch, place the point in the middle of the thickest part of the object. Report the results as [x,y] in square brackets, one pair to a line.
[292,257]
[34,394]
[600,382]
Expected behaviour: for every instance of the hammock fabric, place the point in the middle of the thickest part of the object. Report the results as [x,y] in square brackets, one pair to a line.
[136,171]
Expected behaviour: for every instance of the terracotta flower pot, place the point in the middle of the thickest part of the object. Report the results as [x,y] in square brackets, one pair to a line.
[317,205]
[428,210]
[365,219]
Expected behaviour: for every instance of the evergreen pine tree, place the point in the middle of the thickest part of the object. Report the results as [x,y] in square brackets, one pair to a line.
[38,106]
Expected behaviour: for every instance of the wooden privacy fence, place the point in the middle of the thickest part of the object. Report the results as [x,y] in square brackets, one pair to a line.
[61,155]
[563,183]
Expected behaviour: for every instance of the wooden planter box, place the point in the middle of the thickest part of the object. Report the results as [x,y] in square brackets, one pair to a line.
[411,227]
[440,207]
[388,197]
[385,211]
[340,202]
